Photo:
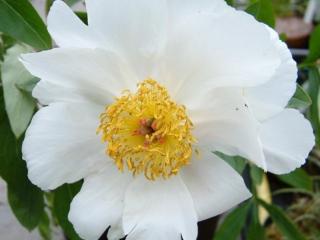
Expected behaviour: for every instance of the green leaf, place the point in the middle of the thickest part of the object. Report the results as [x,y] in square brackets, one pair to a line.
[230,2]
[233,223]
[300,99]
[284,224]
[83,17]
[28,86]
[313,90]
[25,199]
[71,2]
[20,20]
[255,231]
[236,162]
[262,10]
[19,104]
[314,45]
[26,202]
[256,174]
[44,227]
[298,179]
[61,206]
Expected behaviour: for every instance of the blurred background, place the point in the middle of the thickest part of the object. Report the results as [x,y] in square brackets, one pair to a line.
[283,207]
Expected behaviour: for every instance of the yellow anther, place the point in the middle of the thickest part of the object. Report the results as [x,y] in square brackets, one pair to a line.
[147,132]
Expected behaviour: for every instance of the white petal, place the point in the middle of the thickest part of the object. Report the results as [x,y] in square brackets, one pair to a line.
[272,97]
[68,30]
[214,186]
[116,231]
[287,140]
[218,50]
[92,74]
[180,11]
[223,122]
[61,144]
[135,28]
[99,203]
[161,209]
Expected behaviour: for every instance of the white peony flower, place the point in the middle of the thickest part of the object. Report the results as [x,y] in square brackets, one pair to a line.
[163,83]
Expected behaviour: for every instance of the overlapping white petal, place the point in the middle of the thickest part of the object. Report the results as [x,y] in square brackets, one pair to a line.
[99,204]
[161,209]
[214,186]
[272,97]
[223,122]
[137,29]
[61,145]
[93,75]
[287,139]
[208,48]
[69,31]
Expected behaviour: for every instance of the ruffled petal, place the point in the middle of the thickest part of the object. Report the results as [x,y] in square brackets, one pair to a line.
[137,29]
[223,122]
[68,30]
[272,97]
[214,186]
[287,139]
[217,47]
[93,75]
[161,209]
[61,144]
[99,203]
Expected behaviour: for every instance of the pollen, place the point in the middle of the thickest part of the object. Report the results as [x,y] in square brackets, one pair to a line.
[147,132]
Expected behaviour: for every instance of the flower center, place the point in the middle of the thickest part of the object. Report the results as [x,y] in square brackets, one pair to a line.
[147,132]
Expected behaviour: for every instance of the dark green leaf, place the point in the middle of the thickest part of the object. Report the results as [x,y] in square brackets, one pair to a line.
[236,162]
[25,199]
[83,16]
[61,206]
[313,90]
[314,45]
[256,174]
[255,231]
[233,223]
[26,202]
[230,2]
[298,179]
[44,227]
[300,99]
[284,224]
[71,2]
[262,10]
[20,20]
[19,104]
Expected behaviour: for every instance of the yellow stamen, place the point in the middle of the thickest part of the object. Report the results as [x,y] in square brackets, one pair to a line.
[147,132]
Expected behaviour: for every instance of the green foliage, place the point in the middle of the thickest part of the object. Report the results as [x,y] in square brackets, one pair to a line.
[83,16]
[25,199]
[313,90]
[44,227]
[230,2]
[233,223]
[61,206]
[262,10]
[300,99]
[20,20]
[284,224]
[236,162]
[16,79]
[256,174]
[298,178]
[314,45]
[255,230]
